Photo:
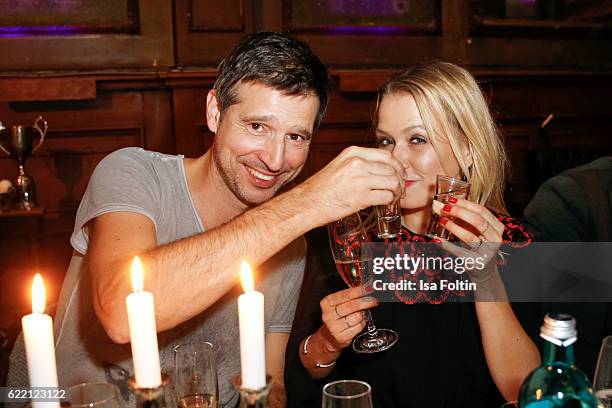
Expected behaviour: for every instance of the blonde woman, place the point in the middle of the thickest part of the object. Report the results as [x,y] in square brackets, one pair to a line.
[434,120]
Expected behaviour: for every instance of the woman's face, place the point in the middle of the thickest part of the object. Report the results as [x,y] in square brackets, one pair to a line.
[401,130]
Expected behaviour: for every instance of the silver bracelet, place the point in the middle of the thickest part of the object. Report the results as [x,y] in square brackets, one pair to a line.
[305,351]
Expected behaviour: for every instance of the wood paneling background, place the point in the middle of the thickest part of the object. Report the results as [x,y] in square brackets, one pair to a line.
[104,92]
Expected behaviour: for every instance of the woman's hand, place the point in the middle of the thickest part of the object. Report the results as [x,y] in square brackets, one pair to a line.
[342,320]
[343,317]
[475,225]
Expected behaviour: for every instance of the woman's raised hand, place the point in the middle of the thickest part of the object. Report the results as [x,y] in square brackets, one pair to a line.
[473,224]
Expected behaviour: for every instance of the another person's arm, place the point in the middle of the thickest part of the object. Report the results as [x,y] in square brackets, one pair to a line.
[189,275]
[509,351]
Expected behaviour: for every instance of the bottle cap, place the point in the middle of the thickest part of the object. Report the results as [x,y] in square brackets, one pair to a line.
[559,326]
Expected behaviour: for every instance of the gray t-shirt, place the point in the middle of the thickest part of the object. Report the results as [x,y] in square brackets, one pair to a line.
[154,184]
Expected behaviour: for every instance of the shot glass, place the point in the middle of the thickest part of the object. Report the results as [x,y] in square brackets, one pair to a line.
[446,187]
[388,219]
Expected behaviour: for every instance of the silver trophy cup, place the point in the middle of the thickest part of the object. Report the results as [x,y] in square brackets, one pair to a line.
[20,145]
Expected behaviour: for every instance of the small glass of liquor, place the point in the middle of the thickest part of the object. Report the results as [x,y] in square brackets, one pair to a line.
[388,219]
[195,379]
[446,187]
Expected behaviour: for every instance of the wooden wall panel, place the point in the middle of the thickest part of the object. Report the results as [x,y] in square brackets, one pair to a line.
[190,122]
[46,89]
[157,119]
[151,47]
[207,30]
[455,43]
[210,15]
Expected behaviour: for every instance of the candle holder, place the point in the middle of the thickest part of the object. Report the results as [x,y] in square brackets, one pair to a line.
[151,397]
[253,398]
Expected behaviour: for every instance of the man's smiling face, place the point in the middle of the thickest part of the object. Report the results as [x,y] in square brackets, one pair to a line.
[262,140]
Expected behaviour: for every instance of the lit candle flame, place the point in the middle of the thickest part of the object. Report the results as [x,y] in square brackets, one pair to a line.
[247,277]
[137,278]
[38,295]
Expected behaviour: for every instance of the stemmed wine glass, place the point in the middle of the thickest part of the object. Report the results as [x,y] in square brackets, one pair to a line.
[95,395]
[347,239]
[195,376]
[603,374]
[347,394]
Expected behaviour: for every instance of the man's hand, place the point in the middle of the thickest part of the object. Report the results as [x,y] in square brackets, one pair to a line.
[357,178]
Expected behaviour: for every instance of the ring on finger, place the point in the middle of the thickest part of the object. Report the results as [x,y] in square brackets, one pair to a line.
[337,314]
[480,241]
[485,230]
[348,326]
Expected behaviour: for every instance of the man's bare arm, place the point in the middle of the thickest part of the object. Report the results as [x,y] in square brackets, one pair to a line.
[189,275]
[186,276]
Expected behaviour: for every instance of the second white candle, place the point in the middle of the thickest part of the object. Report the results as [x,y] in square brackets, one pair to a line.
[252,333]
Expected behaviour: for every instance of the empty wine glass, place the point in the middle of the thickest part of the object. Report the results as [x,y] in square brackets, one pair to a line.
[195,376]
[347,237]
[347,394]
[603,374]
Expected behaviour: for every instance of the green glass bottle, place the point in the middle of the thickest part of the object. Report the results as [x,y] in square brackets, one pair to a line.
[557,382]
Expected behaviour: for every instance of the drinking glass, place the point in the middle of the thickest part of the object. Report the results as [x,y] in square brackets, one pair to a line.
[603,374]
[446,187]
[347,239]
[388,219]
[195,376]
[95,395]
[347,394]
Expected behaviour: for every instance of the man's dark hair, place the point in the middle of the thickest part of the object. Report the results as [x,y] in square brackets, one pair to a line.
[276,60]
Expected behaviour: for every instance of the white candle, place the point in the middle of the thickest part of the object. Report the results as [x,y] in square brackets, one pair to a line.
[39,344]
[252,340]
[143,334]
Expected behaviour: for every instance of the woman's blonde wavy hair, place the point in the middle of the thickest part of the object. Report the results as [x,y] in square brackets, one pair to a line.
[449,97]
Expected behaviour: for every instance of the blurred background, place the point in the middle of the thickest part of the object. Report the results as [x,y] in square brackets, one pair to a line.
[117,73]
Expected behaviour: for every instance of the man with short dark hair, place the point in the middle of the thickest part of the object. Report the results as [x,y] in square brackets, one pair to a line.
[193,220]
